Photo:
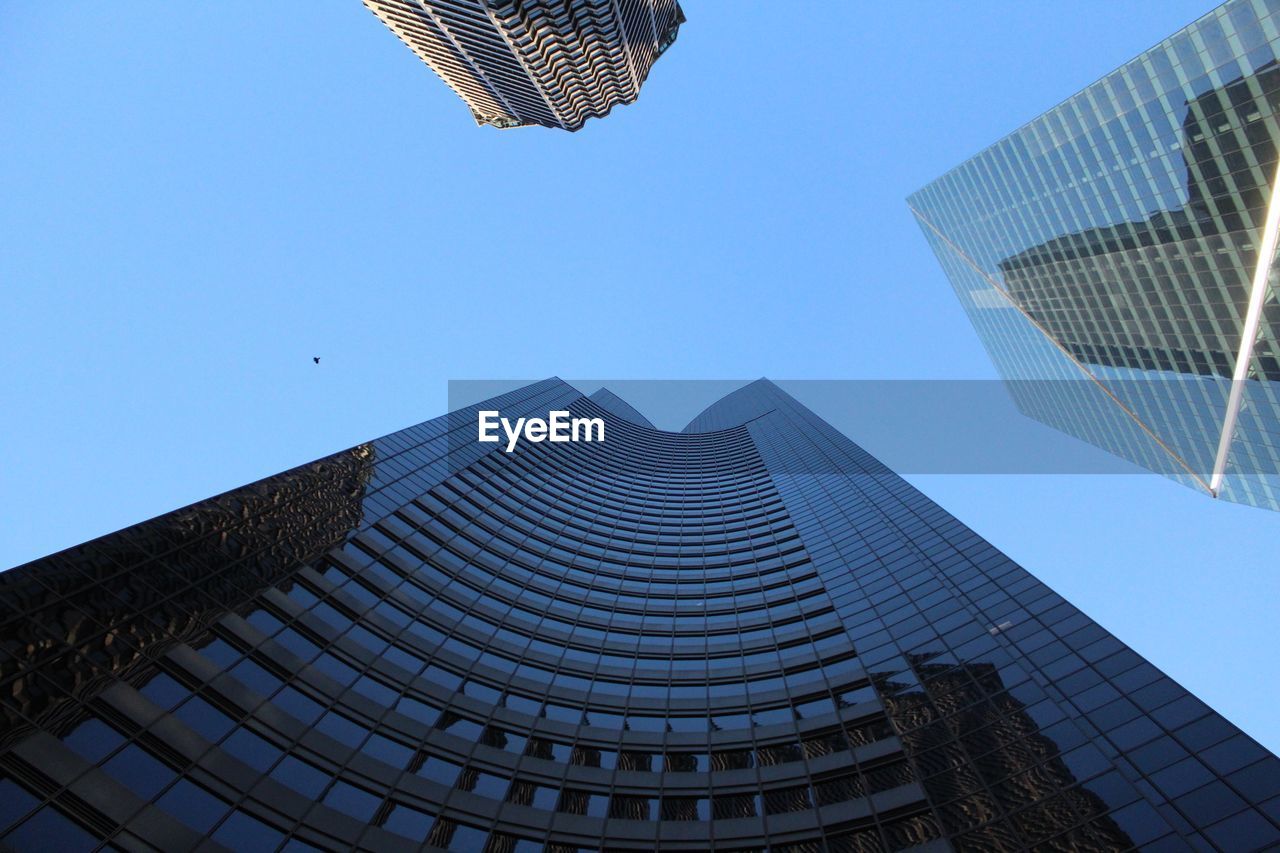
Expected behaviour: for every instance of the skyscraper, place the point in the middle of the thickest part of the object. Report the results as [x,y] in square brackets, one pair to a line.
[553,63]
[1116,255]
[747,635]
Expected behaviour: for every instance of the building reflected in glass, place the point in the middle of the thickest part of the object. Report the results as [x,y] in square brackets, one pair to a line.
[750,635]
[1110,248]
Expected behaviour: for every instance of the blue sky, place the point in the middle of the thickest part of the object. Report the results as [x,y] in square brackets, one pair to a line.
[198,198]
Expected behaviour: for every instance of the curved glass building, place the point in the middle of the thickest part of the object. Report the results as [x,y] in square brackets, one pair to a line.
[747,636]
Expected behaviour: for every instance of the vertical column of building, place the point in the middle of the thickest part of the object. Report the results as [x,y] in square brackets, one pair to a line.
[1024,718]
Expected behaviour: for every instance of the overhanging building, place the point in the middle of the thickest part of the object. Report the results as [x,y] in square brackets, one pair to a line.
[1116,257]
[746,636]
[536,62]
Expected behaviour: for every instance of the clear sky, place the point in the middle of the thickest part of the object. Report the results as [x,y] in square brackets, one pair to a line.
[195,199]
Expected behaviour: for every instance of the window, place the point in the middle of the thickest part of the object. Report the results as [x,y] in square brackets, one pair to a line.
[349,799]
[732,759]
[630,759]
[93,739]
[729,806]
[794,799]
[629,807]
[256,678]
[49,829]
[385,749]
[686,762]
[164,691]
[484,784]
[202,717]
[251,749]
[530,794]
[15,802]
[420,711]
[581,803]
[294,703]
[685,808]
[240,831]
[138,771]
[839,789]
[193,805]
[458,726]
[824,744]
[407,822]
[300,776]
[548,750]
[342,729]
[458,837]
[438,770]
[779,753]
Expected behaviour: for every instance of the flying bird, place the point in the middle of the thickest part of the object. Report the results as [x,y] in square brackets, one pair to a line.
[316,359]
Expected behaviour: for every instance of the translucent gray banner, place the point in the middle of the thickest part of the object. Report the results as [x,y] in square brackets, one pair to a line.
[959,426]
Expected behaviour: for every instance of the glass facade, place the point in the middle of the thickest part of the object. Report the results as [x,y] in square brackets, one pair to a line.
[1109,249]
[747,636]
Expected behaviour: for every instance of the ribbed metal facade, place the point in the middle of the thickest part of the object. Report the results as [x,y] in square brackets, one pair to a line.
[554,63]
[1108,250]
[748,636]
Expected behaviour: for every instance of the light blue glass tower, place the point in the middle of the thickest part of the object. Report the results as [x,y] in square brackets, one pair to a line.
[1116,255]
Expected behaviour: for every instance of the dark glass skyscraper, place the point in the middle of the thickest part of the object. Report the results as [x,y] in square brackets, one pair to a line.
[747,636]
